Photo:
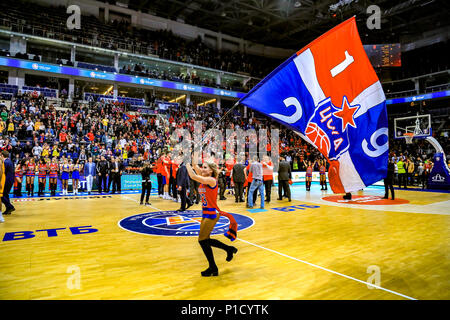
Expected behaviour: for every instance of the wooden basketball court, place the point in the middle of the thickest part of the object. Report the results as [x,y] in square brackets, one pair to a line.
[317,249]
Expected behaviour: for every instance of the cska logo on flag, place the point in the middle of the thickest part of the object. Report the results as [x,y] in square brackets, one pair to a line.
[329,93]
[329,121]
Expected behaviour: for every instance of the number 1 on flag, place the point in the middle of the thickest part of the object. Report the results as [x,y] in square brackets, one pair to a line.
[343,65]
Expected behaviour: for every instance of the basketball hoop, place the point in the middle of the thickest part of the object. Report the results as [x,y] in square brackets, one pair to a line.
[408,137]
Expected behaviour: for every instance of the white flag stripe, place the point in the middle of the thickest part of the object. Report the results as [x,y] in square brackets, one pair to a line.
[350,178]
[307,70]
[370,97]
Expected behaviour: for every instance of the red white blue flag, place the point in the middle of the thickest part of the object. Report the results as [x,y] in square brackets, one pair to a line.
[330,94]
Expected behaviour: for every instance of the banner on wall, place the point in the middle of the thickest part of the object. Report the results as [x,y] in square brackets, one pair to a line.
[134,182]
[128,182]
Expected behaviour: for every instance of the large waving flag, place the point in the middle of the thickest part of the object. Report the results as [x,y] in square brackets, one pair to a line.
[329,93]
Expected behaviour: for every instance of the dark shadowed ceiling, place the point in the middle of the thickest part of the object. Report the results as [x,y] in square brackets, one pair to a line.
[294,23]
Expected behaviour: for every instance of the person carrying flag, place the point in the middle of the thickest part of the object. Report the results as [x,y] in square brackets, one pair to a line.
[207,176]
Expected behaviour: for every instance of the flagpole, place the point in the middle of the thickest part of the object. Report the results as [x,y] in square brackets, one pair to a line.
[220,120]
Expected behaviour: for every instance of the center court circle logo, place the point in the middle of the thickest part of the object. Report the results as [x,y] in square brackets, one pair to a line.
[178,224]
[365,200]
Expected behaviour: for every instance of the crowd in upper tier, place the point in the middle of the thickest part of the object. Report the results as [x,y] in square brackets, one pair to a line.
[119,34]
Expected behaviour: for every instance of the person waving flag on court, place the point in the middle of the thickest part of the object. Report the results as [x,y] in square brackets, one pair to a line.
[329,94]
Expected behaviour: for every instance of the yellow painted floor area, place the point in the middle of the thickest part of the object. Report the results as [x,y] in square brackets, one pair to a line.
[330,252]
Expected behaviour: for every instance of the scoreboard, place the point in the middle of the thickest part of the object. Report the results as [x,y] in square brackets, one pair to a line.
[384,55]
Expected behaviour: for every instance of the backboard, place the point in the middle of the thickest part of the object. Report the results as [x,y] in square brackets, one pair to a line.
[418,125]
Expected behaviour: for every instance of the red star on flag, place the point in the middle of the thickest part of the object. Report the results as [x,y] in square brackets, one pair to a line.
[346,114]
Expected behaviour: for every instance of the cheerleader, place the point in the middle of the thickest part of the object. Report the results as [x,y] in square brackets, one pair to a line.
[65,169]
[42,176]
[323,177]
[308,176]
[53,176]
[18,179]
[31,172]
[76,168]
[207,177]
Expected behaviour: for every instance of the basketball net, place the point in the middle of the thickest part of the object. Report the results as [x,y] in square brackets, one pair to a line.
[408,137]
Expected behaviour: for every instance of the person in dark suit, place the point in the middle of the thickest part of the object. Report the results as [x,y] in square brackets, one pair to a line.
[389,180]
[115,175]
[183,183]
[146,183]
[102,173]
[239,178]
[284,175]
[9,182]
[110,173]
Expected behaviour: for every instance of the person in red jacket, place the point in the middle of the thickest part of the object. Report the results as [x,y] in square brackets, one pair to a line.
[165,172]
[172,182]
[229,164]
[249,182]
[267,176]
[158,169]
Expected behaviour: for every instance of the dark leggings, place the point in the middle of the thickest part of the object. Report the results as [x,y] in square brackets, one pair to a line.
[160,184]
[268,189]
[146,189]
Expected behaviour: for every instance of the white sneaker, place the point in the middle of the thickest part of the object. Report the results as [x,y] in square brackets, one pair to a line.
[1,218]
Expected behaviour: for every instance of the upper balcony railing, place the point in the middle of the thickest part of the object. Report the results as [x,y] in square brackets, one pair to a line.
[111,46]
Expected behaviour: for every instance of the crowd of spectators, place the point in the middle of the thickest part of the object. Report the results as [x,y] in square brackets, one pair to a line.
[35,127]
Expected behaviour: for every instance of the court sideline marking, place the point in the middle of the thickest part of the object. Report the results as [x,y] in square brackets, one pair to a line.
[306,262]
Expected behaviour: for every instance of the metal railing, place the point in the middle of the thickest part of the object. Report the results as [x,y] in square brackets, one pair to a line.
[97,40]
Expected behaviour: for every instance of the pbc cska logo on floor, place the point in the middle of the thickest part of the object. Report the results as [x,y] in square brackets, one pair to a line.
[178,224]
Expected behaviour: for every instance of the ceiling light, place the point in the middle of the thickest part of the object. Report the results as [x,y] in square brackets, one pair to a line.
[297,4]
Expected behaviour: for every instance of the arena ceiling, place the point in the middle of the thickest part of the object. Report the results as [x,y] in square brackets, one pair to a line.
[294,23]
